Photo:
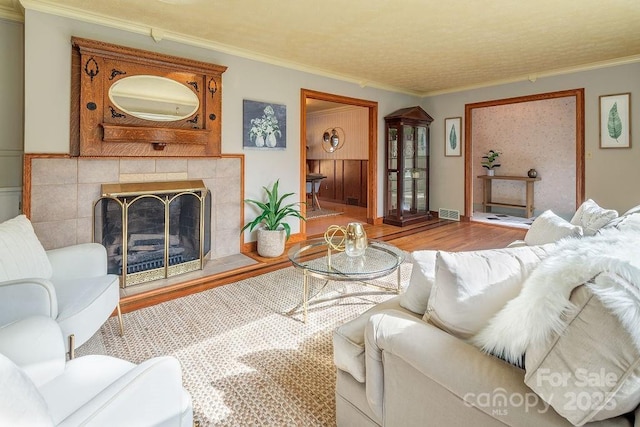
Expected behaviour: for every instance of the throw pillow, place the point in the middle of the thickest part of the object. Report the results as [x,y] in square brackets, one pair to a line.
[471,287]
[590,369]
[630,218]
[633,210]
[20,402]
[592,217]
[549,228]
[416,297]
[21,253]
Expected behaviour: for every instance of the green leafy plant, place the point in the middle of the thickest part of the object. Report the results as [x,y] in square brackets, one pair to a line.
[274,211]
[491,160]
[614,124]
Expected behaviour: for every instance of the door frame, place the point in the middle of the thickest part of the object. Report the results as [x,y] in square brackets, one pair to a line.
[579,121]
[372,163]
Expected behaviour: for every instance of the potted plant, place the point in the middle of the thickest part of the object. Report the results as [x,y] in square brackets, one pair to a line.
[274,231]
[491,161]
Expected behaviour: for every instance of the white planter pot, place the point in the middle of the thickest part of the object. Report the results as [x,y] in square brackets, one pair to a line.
[271,242]
[490,172]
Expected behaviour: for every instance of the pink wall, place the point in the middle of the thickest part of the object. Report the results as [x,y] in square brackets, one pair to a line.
[536,134]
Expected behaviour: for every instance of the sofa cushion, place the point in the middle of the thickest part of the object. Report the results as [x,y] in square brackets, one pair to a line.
[348,339]
[633,210]
[629,220]
[416,297]
[590,370]
[549,228]
[470,287]
[592,217]
[20,402]
[21,253]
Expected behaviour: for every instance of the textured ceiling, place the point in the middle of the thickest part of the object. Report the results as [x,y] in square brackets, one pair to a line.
[414,46]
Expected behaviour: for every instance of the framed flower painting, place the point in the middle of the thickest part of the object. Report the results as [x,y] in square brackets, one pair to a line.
[264,125]
[615,121]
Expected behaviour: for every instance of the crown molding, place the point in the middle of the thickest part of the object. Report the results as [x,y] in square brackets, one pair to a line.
[12,13]
[534,76]
[159,34]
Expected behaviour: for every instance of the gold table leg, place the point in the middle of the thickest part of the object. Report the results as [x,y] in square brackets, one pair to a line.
[305,296]
[121,323]
[72,347]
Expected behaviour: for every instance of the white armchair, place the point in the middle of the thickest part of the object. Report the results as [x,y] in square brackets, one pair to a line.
[70,284]
[40,388]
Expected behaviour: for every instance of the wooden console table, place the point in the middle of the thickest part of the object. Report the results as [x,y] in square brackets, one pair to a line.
[486,193]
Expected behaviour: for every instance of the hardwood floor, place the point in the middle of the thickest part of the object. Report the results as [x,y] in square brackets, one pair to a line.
[435,234]
[442,235]
[317,226]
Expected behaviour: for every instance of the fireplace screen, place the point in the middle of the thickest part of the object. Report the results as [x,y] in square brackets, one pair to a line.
[153,230]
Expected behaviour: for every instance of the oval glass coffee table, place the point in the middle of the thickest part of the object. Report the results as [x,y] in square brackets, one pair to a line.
[317,259]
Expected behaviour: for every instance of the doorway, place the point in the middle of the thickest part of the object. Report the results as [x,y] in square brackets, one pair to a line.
[369,172]
[471,158]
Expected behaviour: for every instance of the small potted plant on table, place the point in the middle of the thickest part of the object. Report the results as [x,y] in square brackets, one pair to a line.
[274,232]
[490,161]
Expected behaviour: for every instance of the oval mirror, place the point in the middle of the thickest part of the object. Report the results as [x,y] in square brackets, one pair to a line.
[154,98]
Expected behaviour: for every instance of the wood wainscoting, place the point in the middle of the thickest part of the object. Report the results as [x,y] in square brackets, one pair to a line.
[346,180]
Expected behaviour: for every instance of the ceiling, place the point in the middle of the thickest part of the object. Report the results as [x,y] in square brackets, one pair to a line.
[420,47]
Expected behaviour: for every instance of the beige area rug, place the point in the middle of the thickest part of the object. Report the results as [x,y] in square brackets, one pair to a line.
[246,359]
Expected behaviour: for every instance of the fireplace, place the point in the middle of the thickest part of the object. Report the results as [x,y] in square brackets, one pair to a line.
[153,230]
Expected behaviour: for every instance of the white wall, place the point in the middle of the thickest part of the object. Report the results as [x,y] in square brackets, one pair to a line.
[611,175]
[11,114]
[47,85]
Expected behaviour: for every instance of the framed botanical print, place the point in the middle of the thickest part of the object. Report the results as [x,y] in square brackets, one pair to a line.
[615,121]
[452,137]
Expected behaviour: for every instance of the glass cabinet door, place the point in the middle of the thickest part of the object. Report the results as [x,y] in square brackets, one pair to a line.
[408,200]
[392,193]
[392,171]
[392,155]
[421,170]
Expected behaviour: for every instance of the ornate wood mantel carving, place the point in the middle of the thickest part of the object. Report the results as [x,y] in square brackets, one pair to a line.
[101,127]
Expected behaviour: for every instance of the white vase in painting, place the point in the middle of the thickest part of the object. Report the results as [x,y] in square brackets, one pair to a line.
[271,140]
[259,141]
[490,172]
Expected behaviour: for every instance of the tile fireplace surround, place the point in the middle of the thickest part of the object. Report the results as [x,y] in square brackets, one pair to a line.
[64,190]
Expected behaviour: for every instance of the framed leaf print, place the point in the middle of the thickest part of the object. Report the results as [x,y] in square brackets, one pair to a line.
[452,137]
[615,121]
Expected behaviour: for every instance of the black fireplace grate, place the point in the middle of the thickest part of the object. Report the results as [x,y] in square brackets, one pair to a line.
[151,264]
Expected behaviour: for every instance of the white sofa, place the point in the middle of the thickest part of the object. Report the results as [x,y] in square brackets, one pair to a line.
[69,284]
[40,388]
[415,360]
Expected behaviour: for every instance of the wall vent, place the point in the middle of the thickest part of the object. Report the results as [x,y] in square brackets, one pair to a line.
[451,214]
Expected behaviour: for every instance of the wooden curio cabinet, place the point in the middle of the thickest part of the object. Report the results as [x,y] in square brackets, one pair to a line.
[407,166]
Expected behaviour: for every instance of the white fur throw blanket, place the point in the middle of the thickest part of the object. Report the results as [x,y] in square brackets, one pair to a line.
[536,313]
